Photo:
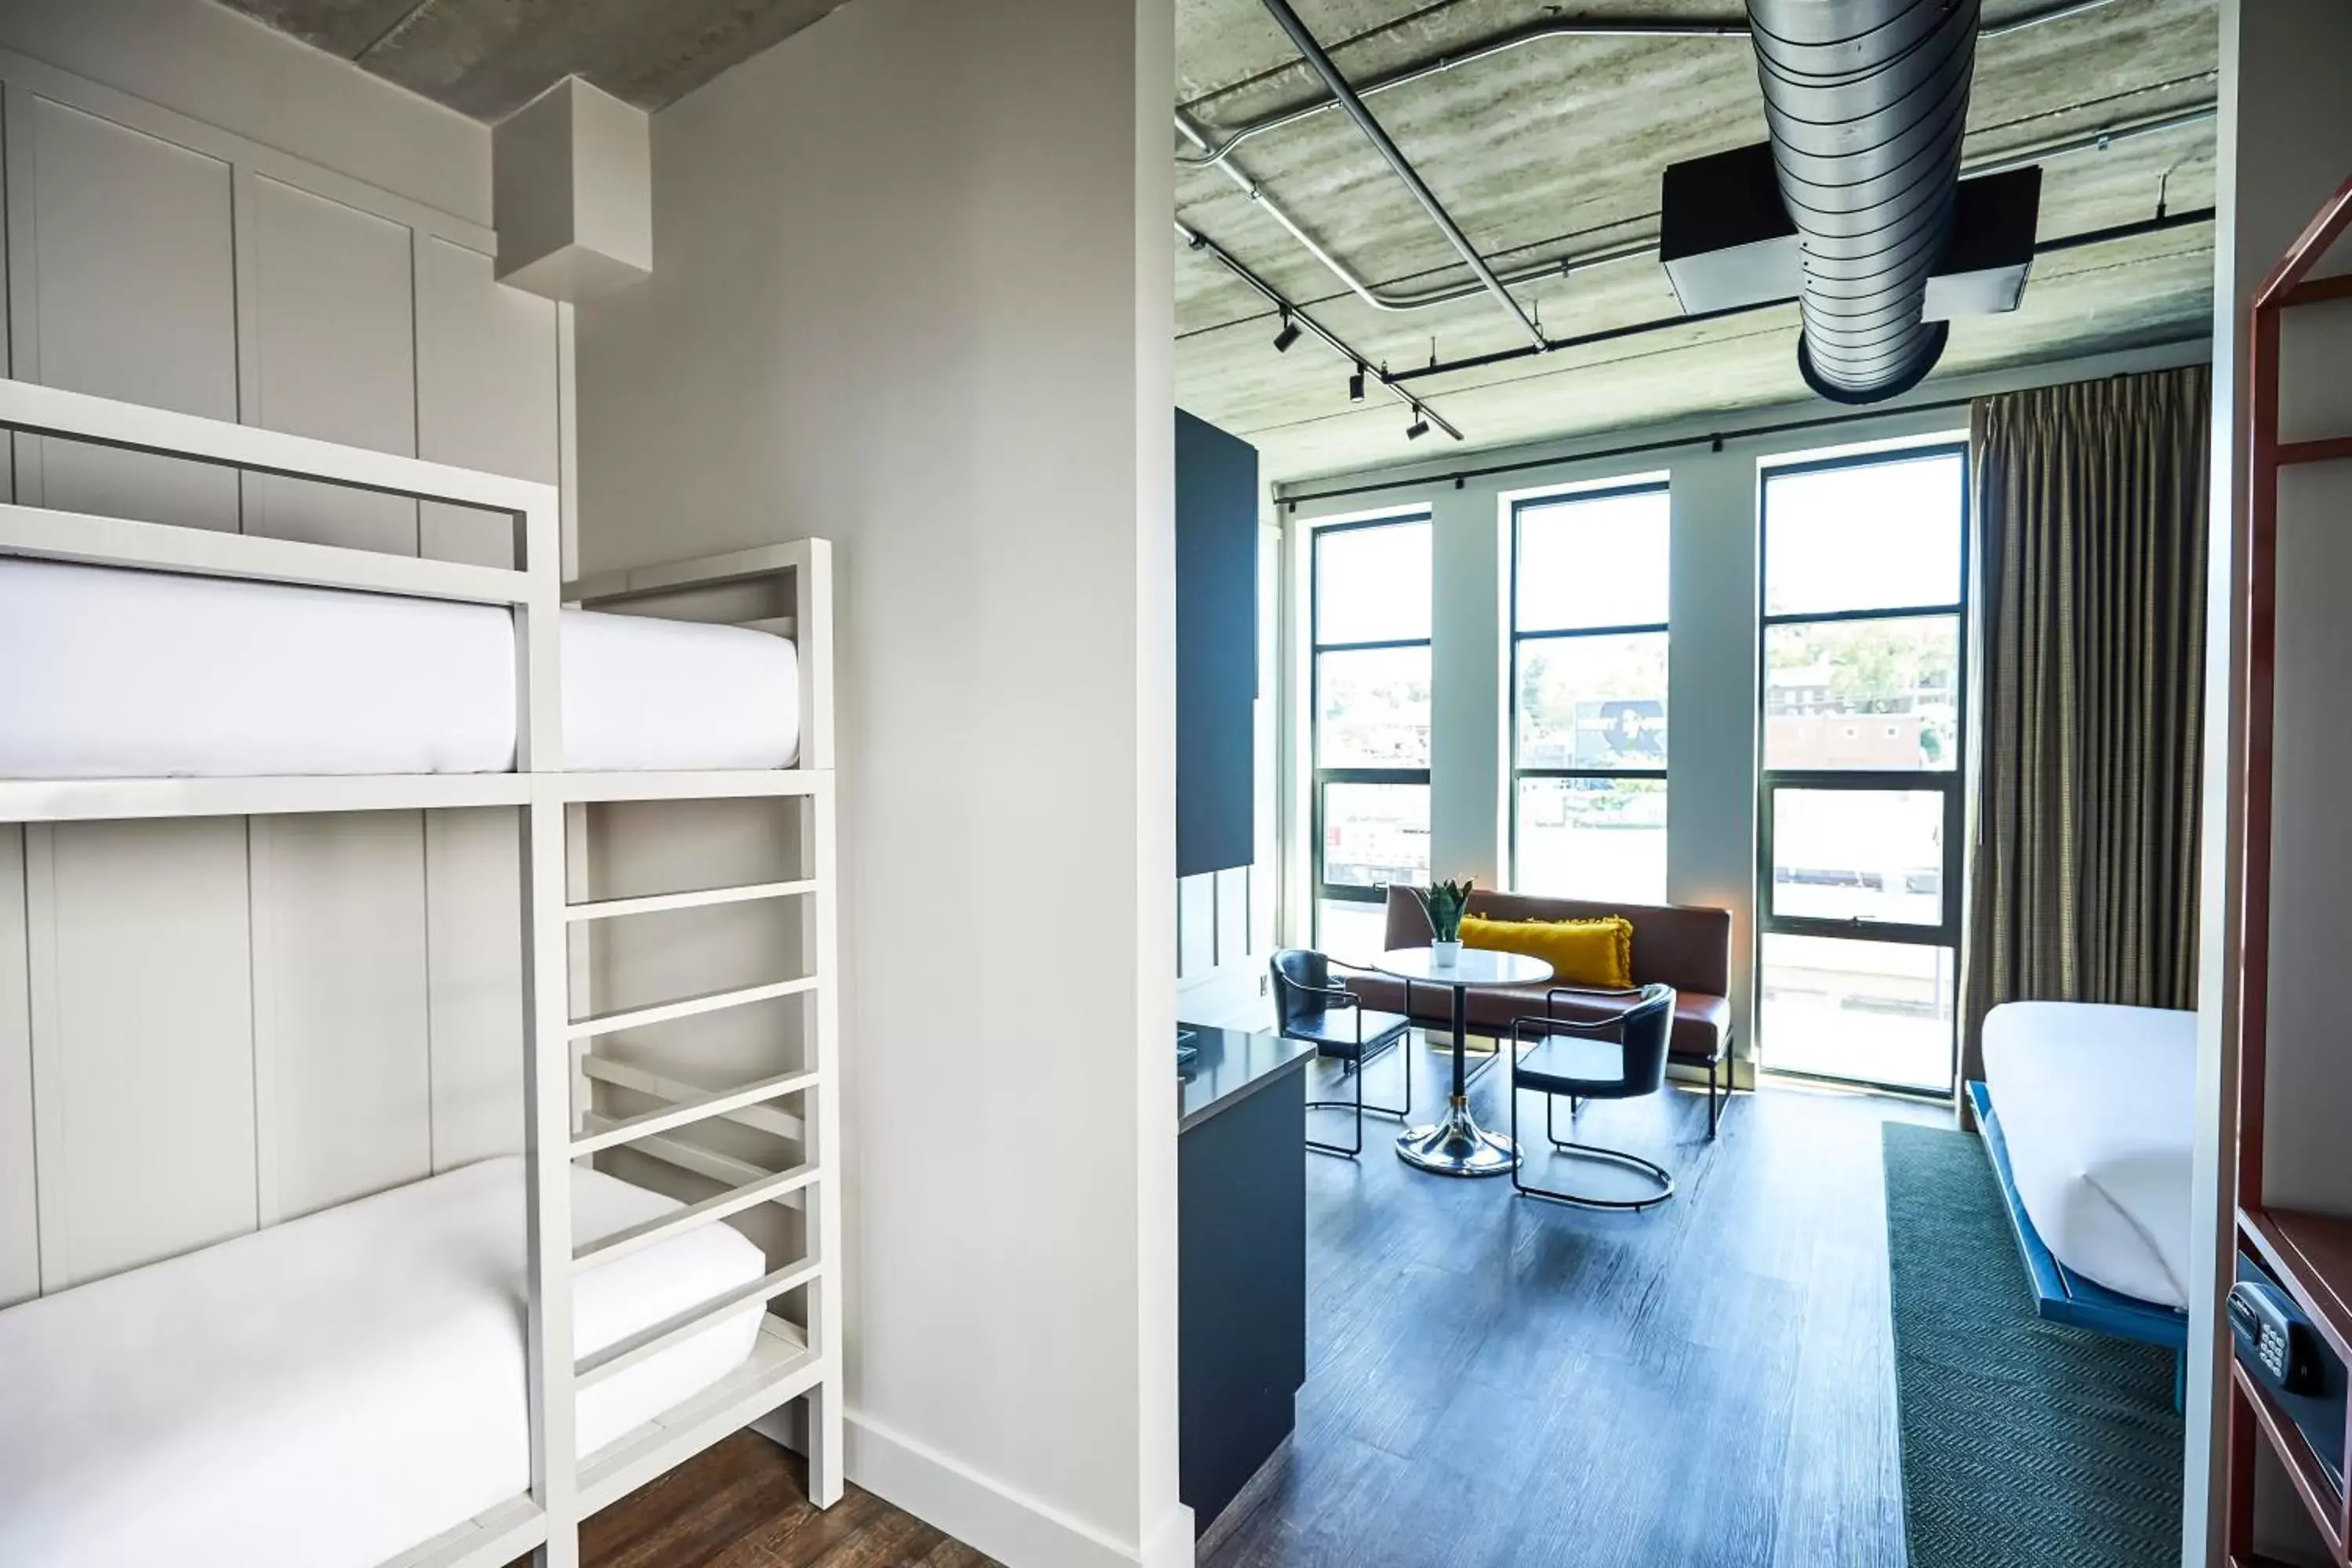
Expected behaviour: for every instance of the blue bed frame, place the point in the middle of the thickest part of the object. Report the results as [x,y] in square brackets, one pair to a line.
[2062,1296]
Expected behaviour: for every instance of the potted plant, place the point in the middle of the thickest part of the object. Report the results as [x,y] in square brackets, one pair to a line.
[1445,903]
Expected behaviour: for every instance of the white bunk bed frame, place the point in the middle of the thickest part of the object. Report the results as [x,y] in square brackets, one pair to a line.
[558,1052]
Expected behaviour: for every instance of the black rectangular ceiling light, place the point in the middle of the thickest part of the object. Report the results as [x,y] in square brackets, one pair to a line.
[1991,251]
[1722,234]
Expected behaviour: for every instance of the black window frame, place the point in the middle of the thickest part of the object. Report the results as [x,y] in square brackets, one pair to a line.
[1323,777]
[1951,928]
[1519,509]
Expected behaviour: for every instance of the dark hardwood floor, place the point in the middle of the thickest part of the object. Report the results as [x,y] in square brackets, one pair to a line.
[1499,1383]
[744,1504]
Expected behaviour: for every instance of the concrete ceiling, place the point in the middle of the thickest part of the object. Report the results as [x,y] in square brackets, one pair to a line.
[489,58]
[1550,150]
[1557,149]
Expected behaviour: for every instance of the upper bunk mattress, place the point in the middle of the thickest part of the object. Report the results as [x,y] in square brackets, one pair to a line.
[113,673]
[333,1390]
[2095,1106]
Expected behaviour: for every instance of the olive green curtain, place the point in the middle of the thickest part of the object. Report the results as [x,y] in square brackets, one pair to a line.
[2092,500]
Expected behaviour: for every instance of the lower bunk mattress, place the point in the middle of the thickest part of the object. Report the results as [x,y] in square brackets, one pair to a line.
[114,673]
[335,1389]
[2097,1107]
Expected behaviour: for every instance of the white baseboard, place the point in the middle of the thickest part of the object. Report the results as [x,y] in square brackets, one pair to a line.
[984,1513]
[1171,1546]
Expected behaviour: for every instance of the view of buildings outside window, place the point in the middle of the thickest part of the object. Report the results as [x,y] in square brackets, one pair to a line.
[1862,718]
[1588,694]
[1370,615]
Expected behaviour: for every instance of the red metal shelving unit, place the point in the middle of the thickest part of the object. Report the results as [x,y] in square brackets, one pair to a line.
[2311,1254]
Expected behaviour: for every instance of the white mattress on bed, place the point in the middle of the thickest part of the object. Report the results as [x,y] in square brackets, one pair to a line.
[2095,1106]
[114,673]
[332,1390]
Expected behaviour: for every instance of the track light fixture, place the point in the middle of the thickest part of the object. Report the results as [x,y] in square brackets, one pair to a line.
[1287,336]
[1356,385]
[1420,425]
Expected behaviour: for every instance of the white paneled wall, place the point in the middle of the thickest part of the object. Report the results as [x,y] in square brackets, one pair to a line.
[123,283]
[343,1075]
[473,905]
[140,958]
[487,389]
[20,1250]
[1224,925]
[333,291]
[208,1026]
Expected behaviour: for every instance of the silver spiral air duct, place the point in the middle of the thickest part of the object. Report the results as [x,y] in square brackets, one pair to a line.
[1866,101]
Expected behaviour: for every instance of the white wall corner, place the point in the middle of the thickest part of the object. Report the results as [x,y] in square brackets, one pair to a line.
[2283,138]
[1011,1362]
[572,175]
[1170,1546]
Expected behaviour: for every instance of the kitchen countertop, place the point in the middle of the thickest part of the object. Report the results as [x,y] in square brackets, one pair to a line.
[1233,1064]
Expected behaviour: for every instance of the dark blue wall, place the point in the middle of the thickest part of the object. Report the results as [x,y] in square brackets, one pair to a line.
[1216,647]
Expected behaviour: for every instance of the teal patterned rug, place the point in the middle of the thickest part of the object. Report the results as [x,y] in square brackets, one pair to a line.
[2025,1444]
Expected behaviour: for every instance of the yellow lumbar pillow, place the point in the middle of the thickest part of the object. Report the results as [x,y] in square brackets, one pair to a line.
[1595,952]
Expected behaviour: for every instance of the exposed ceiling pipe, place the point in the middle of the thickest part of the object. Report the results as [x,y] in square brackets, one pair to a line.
[2159,224]
[1211,153]
[1313,247]
[1389,299]
[1355,109]
[1394,302]
[1196,241]
[2097,140]
[1866,101]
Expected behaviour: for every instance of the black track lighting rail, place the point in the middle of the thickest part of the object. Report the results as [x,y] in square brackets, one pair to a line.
[1422,414]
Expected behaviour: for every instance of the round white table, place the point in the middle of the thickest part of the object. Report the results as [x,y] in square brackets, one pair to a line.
[1457,1145]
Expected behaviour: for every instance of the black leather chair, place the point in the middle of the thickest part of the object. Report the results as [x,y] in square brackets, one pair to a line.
[1308,1004]
[1619,1057]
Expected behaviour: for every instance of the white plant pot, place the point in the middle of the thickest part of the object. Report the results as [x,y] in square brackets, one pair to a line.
[1445,954]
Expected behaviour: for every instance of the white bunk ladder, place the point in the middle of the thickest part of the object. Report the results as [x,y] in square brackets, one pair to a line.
[787,1361]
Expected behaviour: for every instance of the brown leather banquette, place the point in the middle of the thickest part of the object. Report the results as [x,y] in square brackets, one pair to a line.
[1679,945]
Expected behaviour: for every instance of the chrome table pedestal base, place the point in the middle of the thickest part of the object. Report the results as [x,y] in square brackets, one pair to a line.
[1458,1146]
[1455,1145]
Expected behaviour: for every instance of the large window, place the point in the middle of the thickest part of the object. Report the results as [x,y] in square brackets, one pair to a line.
[1864,720]
[1589,591]
[1370,612]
